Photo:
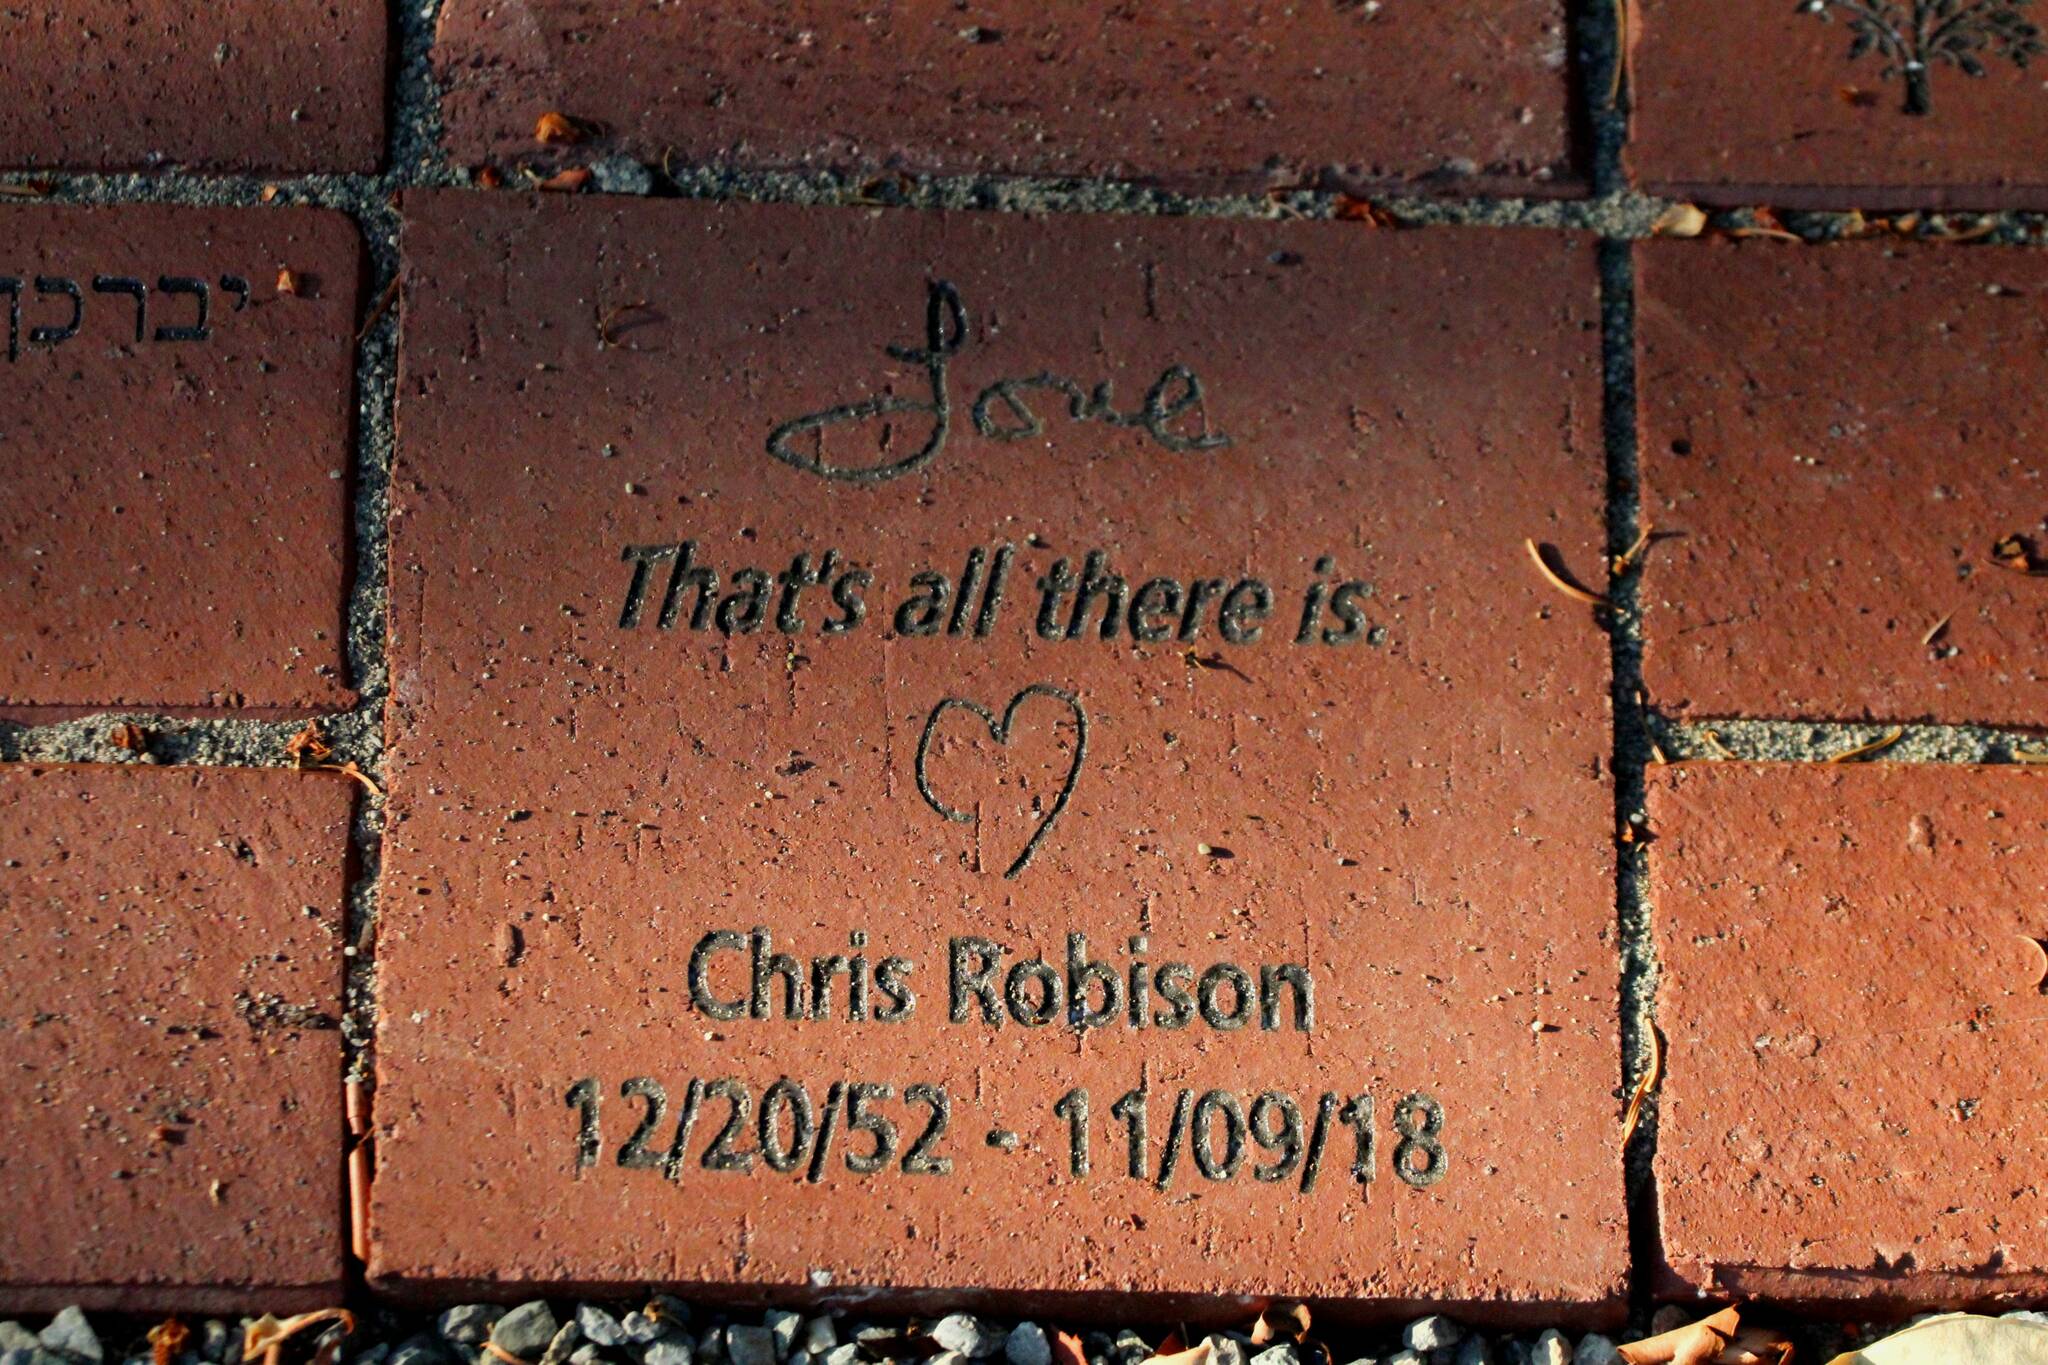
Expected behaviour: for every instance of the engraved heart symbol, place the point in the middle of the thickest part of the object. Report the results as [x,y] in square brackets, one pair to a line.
[999,731]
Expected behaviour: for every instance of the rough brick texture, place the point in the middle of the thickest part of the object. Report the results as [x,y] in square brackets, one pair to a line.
[1761,101]
[1841,444]
[588,779]
[169,992]
[176,446]
[227,85]
[1852,988]
[1219,95]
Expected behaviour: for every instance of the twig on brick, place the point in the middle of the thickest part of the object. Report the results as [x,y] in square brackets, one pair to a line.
[606,325]
[1626,560]
[1891,737]
[1652,1073]
[1560,582]
[2020,755]
[266,1336]
[350,770]
[1934,631]
[379,308]
[2016,553]
[359,1200]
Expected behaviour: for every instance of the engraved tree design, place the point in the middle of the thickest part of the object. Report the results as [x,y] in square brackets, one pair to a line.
[1913,36]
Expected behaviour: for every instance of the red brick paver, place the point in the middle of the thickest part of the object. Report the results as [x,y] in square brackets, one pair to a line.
[1211,95]
[1853,974]
[617,786]
[1765,101]
[1842,444]
[169,991]
[175,450]
[233,85]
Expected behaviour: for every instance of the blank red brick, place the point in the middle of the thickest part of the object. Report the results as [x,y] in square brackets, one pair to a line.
[1839,445]
[581,796]
[1216,95]
[1851,999]
[1763,101]
[169,1004]
[221,85]
[175,530]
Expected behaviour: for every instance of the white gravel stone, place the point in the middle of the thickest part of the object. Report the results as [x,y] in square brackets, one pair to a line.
[672,1351]
[71,1336]
[967,1334]
[1551,1349]
[1426,1334]
[469,1324]
[1473,1351]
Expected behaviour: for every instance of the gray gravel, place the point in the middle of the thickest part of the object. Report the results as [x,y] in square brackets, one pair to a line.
[751,1346]
[1595,1349]
[469,1324]
[599,1327]
[526,1331]
[1027,1344]
[71,1336]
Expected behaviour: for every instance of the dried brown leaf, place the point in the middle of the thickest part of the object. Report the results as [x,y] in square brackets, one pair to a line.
[1680,220]
[1288,1321]
[567,182]
[1696,1343]
[166,1339]
[1954,1339]
[1066,1349]
[307,743]
[1350,208]
[288,282]
[555,129]
[130,736]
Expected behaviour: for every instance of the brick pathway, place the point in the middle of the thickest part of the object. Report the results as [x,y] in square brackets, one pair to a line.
[940,666]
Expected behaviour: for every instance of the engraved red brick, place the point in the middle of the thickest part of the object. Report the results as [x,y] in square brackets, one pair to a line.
[176,445]
[598,777]
[1819,104]
[1842,447]
[202,84]
[169,996]
[1853,971]
[1209,96]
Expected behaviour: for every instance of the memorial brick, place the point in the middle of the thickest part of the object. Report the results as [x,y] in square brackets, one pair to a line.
[988,759]
[170,993]
[1841,104]
[1210,96]
[213,85]
[1841,462]
[1852,983]
[176,447]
